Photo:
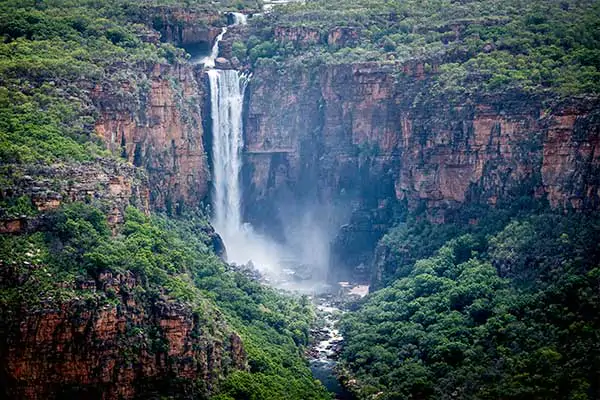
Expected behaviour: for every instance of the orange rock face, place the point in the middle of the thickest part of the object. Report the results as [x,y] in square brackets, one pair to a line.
[366,135]
[571,158]
[298,35]
[332,125]
[115,184]
[163,133]
[13,225]
[126,349]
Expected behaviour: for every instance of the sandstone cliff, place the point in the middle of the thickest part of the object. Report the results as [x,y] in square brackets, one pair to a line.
[111,340]
[155,122]
[110,184]
[366,135]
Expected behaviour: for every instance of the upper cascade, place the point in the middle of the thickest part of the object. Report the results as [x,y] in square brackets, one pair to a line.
[239,18]
[209,61]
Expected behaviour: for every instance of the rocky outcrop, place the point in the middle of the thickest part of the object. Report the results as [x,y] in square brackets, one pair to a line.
[298,35]
[377,139]
[302,36]
[155,122]
[183,26]
[108,183]
[112,341]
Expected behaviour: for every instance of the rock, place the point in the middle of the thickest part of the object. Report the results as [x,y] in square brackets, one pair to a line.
[115,184]
[301,36]
[115,351]
[222,63]
[181,25]
[362,137]
[165,136]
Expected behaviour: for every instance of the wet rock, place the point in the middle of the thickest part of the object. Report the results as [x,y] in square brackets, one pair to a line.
[235,63]
[222,63]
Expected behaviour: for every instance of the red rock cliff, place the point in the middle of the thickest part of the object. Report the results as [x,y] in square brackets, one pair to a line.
[132,346]
[367,133]
[155,122]
[438,153]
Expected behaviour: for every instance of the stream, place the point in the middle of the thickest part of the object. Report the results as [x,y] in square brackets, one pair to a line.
[323,354]
[331,301]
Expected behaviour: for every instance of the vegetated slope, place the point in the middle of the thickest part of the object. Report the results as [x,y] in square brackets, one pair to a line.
[476,46]
[508,313]
[153,307]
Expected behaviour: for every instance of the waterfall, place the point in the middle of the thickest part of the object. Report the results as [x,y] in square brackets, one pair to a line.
[227,96]
[209,61]
[226,99]
[243,244]
[239,18]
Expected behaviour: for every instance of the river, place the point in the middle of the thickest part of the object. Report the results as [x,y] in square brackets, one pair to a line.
[323,354]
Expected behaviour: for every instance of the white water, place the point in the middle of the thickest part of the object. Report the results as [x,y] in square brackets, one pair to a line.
[243,244]
[209,60]
[239,18]
[227,96]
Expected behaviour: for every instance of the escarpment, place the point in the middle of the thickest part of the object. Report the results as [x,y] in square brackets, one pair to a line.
[101,330]
[112,340]
[125,294]
[156,123]
[115,185]
[364,134]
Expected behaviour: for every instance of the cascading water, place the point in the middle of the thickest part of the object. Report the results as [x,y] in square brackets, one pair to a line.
[243,244]
[209,61]
[227,97]
[239,18]
[227,94]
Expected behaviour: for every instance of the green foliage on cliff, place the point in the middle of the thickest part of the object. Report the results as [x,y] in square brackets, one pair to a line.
[471,46]
[53,54]
[170,258]
[511,315]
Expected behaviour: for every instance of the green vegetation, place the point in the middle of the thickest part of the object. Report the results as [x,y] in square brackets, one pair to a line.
[169,257]
[512,314]
[53,54]
[475,46]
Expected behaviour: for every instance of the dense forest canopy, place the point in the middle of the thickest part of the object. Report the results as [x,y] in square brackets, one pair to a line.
[474,45]
[510,314]
[171,258]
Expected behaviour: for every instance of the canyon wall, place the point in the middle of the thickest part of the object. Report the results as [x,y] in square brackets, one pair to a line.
[154,120]
[111,341]
[374,141]
[108,183]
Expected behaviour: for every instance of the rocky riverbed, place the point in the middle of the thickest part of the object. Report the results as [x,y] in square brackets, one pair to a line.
[331,302]
[327,340]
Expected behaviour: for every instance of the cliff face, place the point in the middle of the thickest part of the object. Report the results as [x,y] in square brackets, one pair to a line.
[112,184]
[155,122]
[112,342]
[179,25]
[360,133]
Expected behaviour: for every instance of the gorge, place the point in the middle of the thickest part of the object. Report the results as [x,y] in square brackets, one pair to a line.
[191,191]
